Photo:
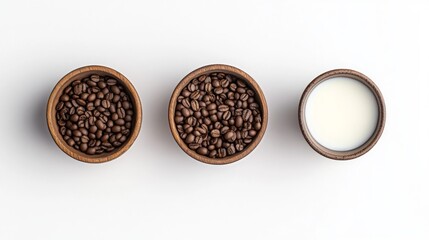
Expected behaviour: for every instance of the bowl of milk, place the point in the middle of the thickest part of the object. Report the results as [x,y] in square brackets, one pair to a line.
[342,114]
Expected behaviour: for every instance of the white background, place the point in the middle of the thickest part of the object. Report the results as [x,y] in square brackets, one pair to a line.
[282,190]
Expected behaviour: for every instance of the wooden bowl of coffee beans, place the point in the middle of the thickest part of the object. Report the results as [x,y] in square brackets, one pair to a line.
[94,114]
[218,114]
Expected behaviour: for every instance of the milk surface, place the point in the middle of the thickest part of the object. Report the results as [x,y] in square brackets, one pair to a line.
[341,113]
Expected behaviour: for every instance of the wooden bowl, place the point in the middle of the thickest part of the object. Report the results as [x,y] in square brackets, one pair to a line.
[259,96]
[81,73]
[364,148]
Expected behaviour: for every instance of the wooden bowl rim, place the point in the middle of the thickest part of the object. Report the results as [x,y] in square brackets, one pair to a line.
[51,111]
[369,144]
[206,70]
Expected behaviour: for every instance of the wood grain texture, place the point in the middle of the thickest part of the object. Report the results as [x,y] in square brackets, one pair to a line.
[207,70]
[81,73]
[351,154]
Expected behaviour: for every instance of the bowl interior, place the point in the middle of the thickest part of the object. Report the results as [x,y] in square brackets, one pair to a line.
[80,74]
[259,97]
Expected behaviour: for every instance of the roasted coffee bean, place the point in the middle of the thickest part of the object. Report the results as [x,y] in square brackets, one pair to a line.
[65,98]
[91,83]
[109,123]
[244,97]
[192,121]
[100,124]
[211,106]
[223,108]
[80,110]
[68,104]
[218,90]
[111,82]
[109,96]
[116,129]
[87,117]
[74,103]
[222,152]
[91,97]
[100,95]
[190,138]
[95,78]
[70,142]
[123,139]
[208,87]
[230,136]
[99,134]
[101,84]
[120,122]
[72,110]
[121,113]
[74,118]
[83,147]
[84,139]
[84,95]
[126,105]
[195,105]
[101,109]
[81,123]
[126,132]
[74,127]
[246,114]
[215,133]
[67,89]
[195,95]
[78,89]
[202,150]
[60,105]
[77,133]
[63,130]
[116,98]
[186,103]
[84,131]
[254,106]
[192,87]
[217,115]
[90,106]
[61,123]
[97,102]
[115,89]
[194,146]
[225,83]
[231,149]
[252,133]
[91,151]
[238,121]
[81,102]
[105,137]
[226,115]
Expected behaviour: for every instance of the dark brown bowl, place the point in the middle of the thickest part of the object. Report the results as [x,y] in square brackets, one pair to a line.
[354,153]
[207,70]
[81,73]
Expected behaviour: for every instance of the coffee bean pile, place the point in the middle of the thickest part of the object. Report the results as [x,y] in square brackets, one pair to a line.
[217,115]
[95,114]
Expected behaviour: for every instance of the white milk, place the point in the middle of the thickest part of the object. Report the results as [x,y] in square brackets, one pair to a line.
[341,113]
